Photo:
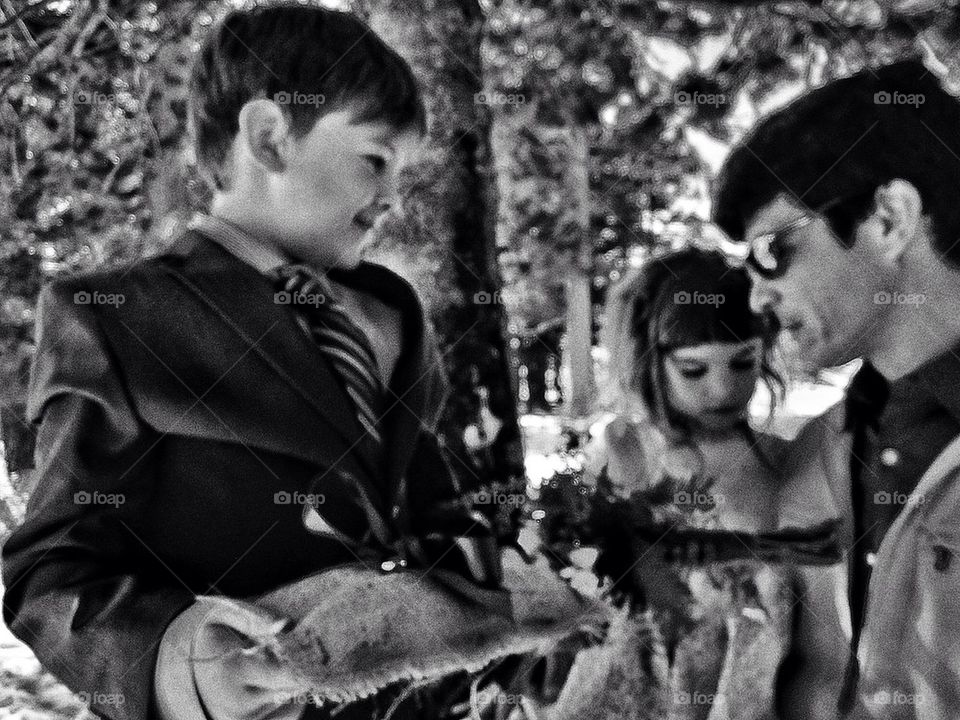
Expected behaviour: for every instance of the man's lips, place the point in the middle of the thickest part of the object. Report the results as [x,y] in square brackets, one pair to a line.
[364,222]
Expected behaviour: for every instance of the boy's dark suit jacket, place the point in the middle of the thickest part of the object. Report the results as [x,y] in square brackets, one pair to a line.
[181,413]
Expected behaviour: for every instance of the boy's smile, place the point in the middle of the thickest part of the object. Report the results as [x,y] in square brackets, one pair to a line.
[339,178]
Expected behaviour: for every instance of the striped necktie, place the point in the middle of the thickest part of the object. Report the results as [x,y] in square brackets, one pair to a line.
[343,343]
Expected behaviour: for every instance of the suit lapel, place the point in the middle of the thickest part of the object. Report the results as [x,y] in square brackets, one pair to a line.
[216,279]
[270,331]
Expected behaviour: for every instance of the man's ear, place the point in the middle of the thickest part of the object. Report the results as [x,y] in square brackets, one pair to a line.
[900,210]
[265,132]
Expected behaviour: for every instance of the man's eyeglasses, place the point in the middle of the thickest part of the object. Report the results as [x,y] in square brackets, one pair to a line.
[768,254]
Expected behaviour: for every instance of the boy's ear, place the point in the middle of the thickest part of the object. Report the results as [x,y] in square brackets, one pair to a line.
[265,130]
[899,208]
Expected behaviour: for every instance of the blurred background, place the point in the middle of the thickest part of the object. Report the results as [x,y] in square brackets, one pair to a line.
[569,141]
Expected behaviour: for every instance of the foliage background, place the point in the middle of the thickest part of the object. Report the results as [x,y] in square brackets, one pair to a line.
[567,137]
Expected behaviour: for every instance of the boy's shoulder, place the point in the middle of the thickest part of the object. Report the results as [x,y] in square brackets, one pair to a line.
[190,254]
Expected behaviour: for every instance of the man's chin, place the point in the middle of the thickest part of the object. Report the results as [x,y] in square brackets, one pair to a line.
[818,356]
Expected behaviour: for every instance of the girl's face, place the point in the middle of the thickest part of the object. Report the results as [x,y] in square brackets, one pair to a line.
[711,384]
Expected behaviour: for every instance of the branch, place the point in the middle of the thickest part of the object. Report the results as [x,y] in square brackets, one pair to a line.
[52,52]
[22,13]
[21,24]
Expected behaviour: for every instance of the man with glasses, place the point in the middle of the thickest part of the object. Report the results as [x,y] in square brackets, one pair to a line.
[848,201]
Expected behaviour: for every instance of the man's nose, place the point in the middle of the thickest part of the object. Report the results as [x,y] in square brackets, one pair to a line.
[388,196]
[763,298]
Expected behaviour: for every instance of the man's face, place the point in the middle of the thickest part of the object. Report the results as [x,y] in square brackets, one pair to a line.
[339,179]
[828,298]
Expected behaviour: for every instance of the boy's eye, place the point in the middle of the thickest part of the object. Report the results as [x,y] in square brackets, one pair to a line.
[377,162]
[744,365]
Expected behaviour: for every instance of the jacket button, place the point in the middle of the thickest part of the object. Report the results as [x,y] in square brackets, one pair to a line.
[889,457]
[871,558]
[395,511]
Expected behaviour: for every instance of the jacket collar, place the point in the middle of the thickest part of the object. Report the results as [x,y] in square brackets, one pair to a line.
[262,257]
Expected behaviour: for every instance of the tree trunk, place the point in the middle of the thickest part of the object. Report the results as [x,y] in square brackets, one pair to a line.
[544,221]
[444,242]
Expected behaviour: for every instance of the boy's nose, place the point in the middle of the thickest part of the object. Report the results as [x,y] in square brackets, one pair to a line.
[379,208]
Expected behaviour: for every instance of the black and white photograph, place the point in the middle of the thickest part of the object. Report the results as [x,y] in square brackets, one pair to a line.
[480,359]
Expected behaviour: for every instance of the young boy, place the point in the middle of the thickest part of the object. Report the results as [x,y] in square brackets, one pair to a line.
[207,422]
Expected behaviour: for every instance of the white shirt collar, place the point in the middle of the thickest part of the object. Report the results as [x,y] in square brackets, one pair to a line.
[262,256]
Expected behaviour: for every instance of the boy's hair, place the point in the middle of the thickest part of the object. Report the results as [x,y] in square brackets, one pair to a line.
[683,298]
[311,60]
[833,147]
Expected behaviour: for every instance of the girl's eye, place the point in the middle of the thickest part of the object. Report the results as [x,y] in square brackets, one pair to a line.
[692,372]
[743,365]
[376,162]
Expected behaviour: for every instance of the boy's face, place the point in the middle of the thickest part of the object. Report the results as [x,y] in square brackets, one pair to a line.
[336,181]
[826,297]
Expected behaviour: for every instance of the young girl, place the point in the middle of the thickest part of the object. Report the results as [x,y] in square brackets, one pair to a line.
[686,354]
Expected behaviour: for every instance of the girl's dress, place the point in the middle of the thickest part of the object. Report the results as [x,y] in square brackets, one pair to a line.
[722,662]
